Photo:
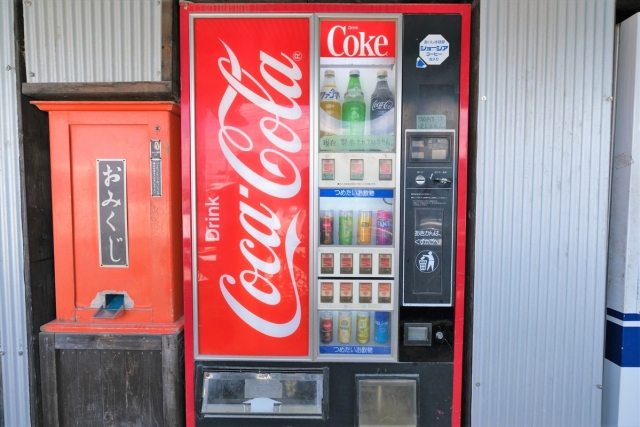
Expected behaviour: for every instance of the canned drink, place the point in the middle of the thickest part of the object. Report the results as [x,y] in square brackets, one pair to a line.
[345,228]
[326,227]
[364,228]
[384,228]
[344,327]
[326,327]
[381,326]
[363,320]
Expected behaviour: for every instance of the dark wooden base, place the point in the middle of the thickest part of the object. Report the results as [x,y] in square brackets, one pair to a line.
[118,91]
[112,379]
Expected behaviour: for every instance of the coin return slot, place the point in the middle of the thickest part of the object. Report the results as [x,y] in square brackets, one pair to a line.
[387,400]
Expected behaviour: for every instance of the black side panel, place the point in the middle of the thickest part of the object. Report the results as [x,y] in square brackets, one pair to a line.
[436,88]
[435,392]
[431,92]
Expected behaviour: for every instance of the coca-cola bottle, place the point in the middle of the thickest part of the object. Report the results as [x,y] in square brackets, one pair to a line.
[330,108]
[353,108]
[382,114]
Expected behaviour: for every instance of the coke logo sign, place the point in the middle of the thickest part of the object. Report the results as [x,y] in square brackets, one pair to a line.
[358,39]
[355,45]
[276,176]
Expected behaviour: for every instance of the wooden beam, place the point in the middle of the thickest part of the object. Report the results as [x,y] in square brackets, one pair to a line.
[107,342]
[115,91]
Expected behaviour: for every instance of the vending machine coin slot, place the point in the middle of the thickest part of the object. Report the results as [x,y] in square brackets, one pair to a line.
[429,206]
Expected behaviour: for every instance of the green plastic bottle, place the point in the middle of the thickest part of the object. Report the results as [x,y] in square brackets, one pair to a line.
[353,108]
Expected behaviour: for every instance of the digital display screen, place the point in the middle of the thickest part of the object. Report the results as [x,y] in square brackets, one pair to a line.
[438,154]
[419,333]
[425,149]
[437,143]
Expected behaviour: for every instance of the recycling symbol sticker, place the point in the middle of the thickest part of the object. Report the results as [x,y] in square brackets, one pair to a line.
[434,49]
[427,261]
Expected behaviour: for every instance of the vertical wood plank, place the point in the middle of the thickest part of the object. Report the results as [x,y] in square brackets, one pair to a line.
[68,384]
[114,398]
[173,379]
[48,380]
[89,388]
[134,387]
[144,388]
[153,375]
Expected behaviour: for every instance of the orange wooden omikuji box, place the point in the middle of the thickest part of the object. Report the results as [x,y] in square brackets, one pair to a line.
[117,226]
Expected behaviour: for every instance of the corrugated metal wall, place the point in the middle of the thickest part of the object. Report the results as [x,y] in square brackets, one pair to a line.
[544,121]
[73,41]
[13,333]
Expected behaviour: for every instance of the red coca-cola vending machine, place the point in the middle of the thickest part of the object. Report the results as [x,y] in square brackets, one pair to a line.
[324,194]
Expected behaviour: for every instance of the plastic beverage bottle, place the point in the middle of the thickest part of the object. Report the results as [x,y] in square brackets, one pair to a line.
[353,108]
[330,108]
[382,112]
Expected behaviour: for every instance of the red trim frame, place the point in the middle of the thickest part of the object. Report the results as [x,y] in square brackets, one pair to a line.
[465,11]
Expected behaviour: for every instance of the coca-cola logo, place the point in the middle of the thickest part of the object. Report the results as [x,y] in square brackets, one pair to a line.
[277,141]
[360,44]
[382,105]
[358,39]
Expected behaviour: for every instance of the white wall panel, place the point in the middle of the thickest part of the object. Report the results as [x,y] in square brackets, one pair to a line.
[622,365]
[623,292]
[13,332]
[88,41]
[544,122]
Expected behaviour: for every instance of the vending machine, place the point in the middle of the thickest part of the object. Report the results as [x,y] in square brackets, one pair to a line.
[324,196]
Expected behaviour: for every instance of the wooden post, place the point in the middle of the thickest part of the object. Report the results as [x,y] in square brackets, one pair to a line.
[49,379]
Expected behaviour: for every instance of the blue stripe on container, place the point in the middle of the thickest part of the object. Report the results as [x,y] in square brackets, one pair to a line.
[623,345]
[623,316]
[356,192]
[354,349]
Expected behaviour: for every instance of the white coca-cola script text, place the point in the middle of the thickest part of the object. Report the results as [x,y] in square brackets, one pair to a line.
[233,142]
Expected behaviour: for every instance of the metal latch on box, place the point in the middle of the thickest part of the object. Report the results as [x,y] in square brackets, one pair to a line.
[112,308]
